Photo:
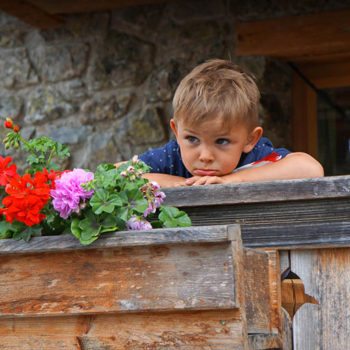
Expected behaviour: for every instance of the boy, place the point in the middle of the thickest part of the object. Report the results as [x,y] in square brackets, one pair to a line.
[216,127]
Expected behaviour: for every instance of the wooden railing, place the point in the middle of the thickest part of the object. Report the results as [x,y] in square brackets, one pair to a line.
[277,214]
[307,224]
[197,287]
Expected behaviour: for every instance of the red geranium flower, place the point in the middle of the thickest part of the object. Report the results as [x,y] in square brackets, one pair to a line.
[6,172]
[8,123]
[27,196]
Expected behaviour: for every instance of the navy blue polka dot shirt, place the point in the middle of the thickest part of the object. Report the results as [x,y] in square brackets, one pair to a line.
[167,159]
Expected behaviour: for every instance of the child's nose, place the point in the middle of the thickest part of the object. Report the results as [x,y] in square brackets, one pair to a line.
[206,155]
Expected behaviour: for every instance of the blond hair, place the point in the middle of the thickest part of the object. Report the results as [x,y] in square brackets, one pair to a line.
[217,88]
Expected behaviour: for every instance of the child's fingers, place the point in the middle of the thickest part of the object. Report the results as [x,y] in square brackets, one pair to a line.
[203,180]
[191,180]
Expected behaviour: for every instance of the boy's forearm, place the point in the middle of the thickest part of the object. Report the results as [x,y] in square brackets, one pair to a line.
[294,166]
[165,180]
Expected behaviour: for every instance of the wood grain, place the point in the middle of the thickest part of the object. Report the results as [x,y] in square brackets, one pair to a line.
[294,296]
[260,192]
[284,225]
[257,291]
[64,243]
[190,331]
[30,13]
[80,6]
[324,75]
[307,36]
[162,278]
[326,276]
[304,120]
[274,274]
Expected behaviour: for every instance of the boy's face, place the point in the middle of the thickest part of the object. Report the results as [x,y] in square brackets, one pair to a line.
[210,149]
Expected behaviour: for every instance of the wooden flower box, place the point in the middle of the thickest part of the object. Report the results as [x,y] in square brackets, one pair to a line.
[188,288]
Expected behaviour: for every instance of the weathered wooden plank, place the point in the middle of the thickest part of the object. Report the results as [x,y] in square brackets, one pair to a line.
[326,276]
[28,342]
[265,341]
[162,278]
[286,332]
[275,290]
[284,262]
[238,267]
[307,36]
[119,239]
[30,13]
[269,191]
[304,120]
[215,330]
[327,74]
[288,224]
[257,291]
[273,213]
[298,236]
[79,6]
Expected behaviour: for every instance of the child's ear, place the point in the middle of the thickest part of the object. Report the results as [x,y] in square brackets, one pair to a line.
[173,126]
[252,139]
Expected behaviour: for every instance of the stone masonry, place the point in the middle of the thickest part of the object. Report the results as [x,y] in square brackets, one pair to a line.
[103,82]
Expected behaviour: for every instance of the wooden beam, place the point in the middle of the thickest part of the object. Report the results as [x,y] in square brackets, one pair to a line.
[139,279]
[80,6]
[120,239]
[297,37]
[29,13]
[336,187]
[280,214]
[327,74]
[304,121]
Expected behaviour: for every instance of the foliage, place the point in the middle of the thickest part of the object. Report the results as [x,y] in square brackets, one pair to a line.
[46,201]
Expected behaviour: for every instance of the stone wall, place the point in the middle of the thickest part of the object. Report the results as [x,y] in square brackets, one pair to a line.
[103,82]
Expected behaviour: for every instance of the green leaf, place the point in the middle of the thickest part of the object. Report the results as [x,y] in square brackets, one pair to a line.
[106,176]
[42,152]
[86,230]
[89,227]
[7,229]
[109,224]
[140,205]
[156,224]
[27,233]
[53,223]
[173,217]
[103,201]
[75,229]
[123,213]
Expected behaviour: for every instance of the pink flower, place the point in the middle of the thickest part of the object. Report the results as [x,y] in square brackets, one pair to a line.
[138,224]
[69,193]
[154,196]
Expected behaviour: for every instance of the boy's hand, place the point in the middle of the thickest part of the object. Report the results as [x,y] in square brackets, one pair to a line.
[204,180]
[165,180]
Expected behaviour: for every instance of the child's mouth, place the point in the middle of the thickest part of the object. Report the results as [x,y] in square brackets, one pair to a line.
[205,172]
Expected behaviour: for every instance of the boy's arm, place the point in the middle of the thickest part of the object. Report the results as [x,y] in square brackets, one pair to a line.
[294,166]
[165,180]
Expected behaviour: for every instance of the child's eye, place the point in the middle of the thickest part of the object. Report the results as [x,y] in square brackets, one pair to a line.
[192,139]
[222,141]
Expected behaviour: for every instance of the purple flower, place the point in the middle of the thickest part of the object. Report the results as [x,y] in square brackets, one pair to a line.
[138,224]
[69,193]
[154,196]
